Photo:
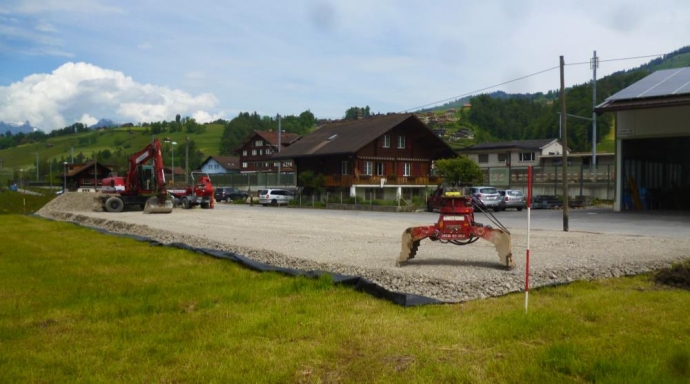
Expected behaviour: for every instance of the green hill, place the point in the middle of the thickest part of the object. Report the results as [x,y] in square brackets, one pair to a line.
[112,146]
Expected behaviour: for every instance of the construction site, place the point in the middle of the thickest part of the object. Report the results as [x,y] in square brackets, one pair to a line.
[359,244]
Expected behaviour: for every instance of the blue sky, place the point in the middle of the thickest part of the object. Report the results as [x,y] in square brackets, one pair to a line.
[63,61]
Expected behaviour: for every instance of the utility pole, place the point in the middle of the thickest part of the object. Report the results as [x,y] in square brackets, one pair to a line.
[186,162]
[594,64]
[565,149]
[95,172]
[280,134]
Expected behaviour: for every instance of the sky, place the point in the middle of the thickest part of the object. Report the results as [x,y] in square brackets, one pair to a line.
[67,61]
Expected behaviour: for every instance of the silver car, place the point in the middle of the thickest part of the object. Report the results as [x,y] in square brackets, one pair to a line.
[275,197]
[512,198]
[486,198]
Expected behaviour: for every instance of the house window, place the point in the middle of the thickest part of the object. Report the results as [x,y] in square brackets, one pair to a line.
[526,156]
[367,168]
[276,164]
[253,152]
[244,153]
[386,141]
[344,166]
[259,143]
[269,151]
[244,165]
[502,158]
[287,164]
[261,152]
[380,168]
[407,169]
[483,158]
[401,141]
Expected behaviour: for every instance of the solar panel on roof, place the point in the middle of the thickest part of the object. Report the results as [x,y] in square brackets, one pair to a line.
[667,82]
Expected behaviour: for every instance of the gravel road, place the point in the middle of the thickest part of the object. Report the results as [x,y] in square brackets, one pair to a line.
[365,244]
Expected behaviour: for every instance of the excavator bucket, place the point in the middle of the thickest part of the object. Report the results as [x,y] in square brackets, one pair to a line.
[411,238]
[409,247]
[158,205]
[501,240]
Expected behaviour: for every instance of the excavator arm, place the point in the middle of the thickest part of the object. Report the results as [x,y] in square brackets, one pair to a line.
[159,203]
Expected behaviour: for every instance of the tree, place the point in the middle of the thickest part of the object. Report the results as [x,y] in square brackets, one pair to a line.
[460,170]
[354,113]
[312,183]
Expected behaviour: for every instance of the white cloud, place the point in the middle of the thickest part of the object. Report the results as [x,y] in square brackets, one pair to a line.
[88,120]
[85,92]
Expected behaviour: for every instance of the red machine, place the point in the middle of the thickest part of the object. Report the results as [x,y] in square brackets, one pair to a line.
[200,193]
[143,186]
[456,225]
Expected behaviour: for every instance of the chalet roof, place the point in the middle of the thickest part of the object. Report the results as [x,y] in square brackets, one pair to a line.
[515,144]
[77,168]
[227,162]
[349,136]
[286,139]
[665,88]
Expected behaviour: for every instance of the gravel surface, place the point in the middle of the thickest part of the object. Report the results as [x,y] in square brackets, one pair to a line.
[349,243]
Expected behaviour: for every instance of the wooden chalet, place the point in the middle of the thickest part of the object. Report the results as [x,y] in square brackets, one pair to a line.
[85,175]
[257,150]
[393,152]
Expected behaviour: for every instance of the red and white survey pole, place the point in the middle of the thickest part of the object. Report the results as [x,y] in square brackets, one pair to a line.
[529,212]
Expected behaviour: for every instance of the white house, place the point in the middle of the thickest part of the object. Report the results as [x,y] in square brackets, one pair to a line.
[513,153]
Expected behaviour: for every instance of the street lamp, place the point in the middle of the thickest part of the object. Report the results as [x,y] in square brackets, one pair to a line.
[172,170]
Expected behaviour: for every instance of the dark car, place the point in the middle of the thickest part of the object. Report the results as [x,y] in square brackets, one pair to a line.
[512,198]
[546,202]
[229,194]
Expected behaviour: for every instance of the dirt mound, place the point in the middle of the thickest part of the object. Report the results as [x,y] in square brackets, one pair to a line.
[676,276]
[72,202]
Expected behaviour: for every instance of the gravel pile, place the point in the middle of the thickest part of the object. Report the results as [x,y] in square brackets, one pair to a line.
[352,244]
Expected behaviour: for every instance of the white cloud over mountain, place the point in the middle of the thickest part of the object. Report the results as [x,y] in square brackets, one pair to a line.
[82,92]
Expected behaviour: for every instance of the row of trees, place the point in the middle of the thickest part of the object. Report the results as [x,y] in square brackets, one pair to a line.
[241,126]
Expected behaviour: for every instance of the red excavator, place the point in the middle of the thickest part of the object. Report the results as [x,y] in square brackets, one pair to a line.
[143,187]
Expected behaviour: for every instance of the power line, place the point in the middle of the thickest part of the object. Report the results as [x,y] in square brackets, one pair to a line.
[524,77]
[619,59]
[483,89]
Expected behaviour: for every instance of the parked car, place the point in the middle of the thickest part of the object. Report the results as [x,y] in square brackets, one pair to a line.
[486,198]
[275,196]
[229,194]
[546,202]
[512,198]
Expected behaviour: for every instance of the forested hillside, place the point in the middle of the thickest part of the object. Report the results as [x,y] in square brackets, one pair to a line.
[499,116]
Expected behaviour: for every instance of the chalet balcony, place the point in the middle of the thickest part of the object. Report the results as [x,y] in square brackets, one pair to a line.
[349,180]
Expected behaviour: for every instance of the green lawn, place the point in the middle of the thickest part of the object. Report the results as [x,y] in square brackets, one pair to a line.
[77,305]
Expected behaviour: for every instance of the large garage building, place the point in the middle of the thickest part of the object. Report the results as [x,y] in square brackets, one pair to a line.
[653,142]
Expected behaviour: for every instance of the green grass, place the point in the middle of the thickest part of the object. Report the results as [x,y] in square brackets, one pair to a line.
[17,202]
[80,306]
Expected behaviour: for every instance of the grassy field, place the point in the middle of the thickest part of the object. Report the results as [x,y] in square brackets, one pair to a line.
[81,306]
